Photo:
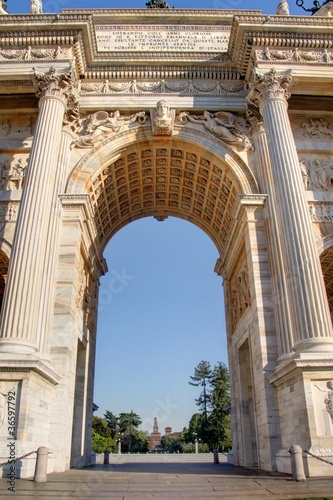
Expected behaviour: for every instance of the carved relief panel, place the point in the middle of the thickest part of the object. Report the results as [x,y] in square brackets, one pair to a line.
[9,210]
[317,172]
[10,395]
[87,296]
[322,393]
[12,171]
[240,295]
[16,128]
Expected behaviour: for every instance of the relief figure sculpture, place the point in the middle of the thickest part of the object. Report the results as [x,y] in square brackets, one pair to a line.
[240,297]
[102,124]
[226,126]
[320,175]
[328,398]
[12,177]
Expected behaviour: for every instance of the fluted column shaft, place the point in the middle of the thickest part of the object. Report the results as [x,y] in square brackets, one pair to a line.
[53,235]
[279,288]
[311,323]
[26,308]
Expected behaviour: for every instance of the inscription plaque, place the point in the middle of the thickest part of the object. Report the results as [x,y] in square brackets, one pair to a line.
[162,38]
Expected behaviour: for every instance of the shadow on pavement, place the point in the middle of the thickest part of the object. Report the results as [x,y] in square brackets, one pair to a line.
[186,468]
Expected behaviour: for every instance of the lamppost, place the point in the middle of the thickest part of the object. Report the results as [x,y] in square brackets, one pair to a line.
[119,445]
[196,442]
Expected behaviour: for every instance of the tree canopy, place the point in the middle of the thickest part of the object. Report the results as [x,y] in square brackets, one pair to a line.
[202,377]
[108,430]
[212,424]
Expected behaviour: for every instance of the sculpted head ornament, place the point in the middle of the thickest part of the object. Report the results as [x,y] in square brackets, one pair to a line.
[162,118]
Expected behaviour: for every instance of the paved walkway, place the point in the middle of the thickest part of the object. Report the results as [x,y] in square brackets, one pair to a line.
[198,481]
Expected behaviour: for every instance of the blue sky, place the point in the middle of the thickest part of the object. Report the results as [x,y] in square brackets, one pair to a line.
[161,312]
[161,305]
[268,7]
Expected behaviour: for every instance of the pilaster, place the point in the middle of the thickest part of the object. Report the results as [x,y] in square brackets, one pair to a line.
[73,340]
[261,331]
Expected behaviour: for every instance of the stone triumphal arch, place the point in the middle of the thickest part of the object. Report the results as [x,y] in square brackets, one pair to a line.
[222,118]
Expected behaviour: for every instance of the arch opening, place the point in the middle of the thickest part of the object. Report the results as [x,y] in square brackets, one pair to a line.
[153,309]
[197,179]
[163,177]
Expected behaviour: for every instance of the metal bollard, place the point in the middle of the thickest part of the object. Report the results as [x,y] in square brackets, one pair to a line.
[106,457]
[41,465]
[297,467]
[216,456]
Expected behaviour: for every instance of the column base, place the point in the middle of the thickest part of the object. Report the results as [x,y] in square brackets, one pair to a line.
[314,345]
[17,346]
[28,363]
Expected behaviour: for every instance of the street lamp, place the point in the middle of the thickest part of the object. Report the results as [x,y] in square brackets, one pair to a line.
[119,445]
[196,442]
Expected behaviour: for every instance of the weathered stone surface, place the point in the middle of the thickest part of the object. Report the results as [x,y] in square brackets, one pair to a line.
[89,144]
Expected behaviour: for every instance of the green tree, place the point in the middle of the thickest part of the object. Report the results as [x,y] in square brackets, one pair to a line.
[172,444]
[101,443]
[112,422]
[220,387]
[139,442]
[132,439]
[195,428]
[129,421]
[219,419]
[215,398]
[100,426]
[202,377]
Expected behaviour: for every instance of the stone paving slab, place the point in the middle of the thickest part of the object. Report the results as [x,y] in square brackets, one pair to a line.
[169,481]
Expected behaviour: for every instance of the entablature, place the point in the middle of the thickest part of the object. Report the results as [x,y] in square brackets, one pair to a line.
[69,41]
[303,44]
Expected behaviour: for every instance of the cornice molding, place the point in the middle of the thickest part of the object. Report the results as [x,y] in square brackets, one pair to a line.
[249,32]
[149,15]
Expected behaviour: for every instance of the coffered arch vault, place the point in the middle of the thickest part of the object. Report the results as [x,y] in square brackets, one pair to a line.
[190,175]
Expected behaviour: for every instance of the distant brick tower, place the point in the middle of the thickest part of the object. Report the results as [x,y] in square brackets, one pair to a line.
[155,437]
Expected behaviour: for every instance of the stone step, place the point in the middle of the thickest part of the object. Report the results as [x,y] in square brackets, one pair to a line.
[160,458]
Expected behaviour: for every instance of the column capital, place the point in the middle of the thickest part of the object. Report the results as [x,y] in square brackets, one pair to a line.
[253,205]
[55,85]
[269,86]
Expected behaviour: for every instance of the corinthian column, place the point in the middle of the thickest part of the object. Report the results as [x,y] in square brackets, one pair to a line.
[279,289]
[27,309]
[308,306]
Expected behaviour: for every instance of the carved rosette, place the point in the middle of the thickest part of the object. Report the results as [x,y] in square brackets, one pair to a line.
[269,87]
